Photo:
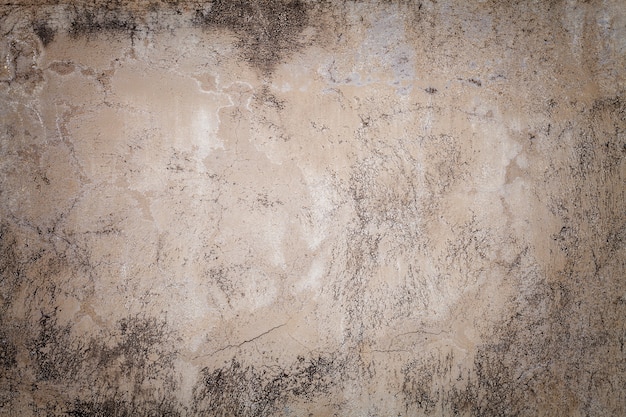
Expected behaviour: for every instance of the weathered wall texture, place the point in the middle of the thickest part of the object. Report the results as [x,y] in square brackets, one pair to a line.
[359,208]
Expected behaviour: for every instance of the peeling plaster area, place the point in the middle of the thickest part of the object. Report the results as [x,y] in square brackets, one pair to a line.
[303,208]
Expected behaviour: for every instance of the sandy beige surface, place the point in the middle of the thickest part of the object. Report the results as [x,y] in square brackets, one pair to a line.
[360,208]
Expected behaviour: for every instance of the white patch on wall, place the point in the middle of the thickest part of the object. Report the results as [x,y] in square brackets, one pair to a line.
[574,22]
[386,48]
[312,280]
[384,56]
[260,290]
[185,114]
[316,226]
[521,160]
[496,150]
[274,234]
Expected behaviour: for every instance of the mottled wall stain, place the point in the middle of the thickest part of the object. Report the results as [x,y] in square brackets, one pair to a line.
[360,208]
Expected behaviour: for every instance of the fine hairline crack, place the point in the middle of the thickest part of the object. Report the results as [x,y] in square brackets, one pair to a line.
[244,342]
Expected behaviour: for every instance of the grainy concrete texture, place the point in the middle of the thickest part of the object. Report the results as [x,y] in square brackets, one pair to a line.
[313,208]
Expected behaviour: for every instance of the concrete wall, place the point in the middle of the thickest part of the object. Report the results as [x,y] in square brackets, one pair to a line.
[350,208]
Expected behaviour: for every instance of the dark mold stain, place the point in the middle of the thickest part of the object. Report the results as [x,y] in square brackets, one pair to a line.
[130,372]
[10,270]
[44,32]
[519,372]
[267,29]
[87,22]
[246,390]
[124,372]
[103,409]
[54,357]
[118,408]
[8,352]
[143,356]
[267,99]
[423,388]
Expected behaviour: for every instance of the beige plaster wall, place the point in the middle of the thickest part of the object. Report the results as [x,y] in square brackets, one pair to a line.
[268,208]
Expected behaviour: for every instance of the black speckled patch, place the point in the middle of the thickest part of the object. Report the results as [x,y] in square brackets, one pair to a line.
[45,33]
[8,351]
[90,21]
[126,372]
[10,270]
[54,357]
[246,390]
[120,408]
[267,28]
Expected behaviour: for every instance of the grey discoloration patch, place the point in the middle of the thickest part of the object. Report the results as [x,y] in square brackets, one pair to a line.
[267,29]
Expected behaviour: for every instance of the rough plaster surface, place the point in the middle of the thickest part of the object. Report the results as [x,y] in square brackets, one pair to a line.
[266,208]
